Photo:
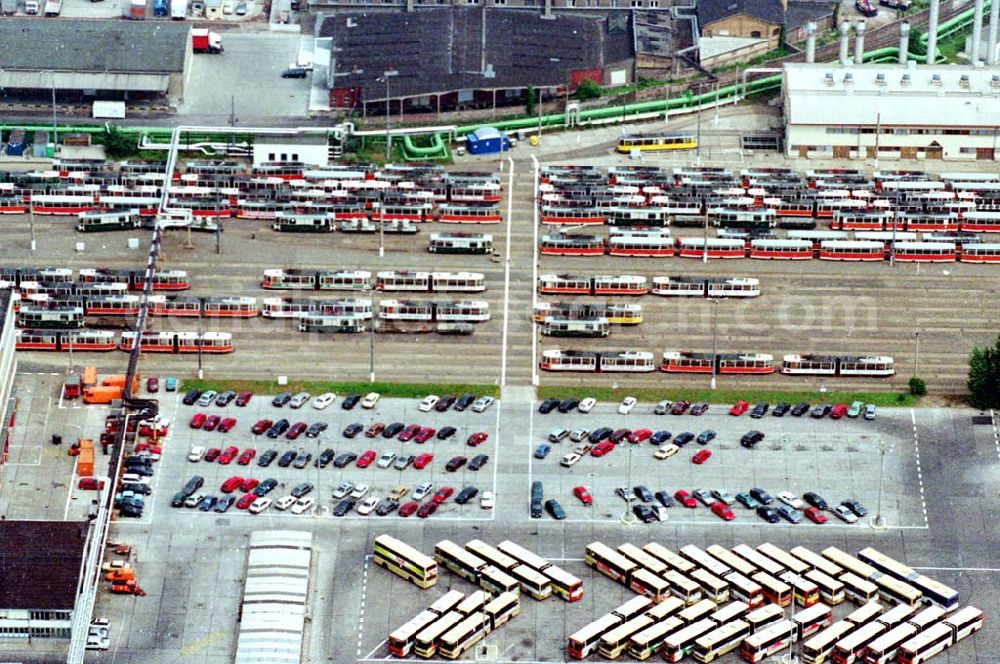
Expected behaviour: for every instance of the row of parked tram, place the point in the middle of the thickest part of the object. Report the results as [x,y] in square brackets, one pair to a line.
[633,284]
[392,280]
[107,340]
[721,363]
[799,245]
[89,278]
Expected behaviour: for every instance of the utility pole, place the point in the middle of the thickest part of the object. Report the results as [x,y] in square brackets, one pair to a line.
[387,74]
[31,222]
[201,373]
[218,222]
[371,350]
[715,334]
[381,223]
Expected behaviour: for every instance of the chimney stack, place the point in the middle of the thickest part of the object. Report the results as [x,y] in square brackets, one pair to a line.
[811,42]
[904,42]
[845,29]
[932,30]
[977,32]
[859,43]
[991,40]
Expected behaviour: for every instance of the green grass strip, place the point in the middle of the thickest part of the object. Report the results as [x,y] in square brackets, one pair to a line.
[403,390]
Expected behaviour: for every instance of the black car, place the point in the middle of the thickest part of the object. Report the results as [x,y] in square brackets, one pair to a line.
[302,489]
[178,499]
[781,409]
[478,461]
[393,429]
[345,459]
[466,494]
[344,506]
[266,458]
[644,512]
[444,403]
[761,496]
[699,408]
[597,435]
[665,498]
[145,470]
[225,398]
[353,429]
[325,457]
[548,406]
[464,402]
[800,409]
[643,494]
[821,411]
[567,405]
[444,433]
[265,487]
[295,72]
[769,514]
[287,458]
[854,506]
[554,509]
[683,439]
[760,410]
[278,428]
[455,463]
[751,438]
[130,511]
[386,506]
[660,437]
[350,401]
[191,398]
[816,500]
[223,504]
[706,436]
[281,399]
[315,429]
[618,435]
[143,489]
[536,500]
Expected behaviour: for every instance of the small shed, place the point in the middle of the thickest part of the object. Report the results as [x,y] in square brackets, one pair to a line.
[486,140]
[16,143]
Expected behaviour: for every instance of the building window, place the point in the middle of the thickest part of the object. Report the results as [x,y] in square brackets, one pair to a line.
[295,156]
[270,156]
[614,4]
[636,3]
[654,3]
[967,150]
[755,34]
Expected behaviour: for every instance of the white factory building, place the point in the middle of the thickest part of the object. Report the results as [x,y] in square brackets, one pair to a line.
[902,111]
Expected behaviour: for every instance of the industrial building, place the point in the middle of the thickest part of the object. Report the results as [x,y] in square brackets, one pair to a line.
[39,573]
[307,148]
[8,367]
[94,60]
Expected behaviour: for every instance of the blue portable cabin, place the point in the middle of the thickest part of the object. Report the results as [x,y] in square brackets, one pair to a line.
[16,143]
[486,140]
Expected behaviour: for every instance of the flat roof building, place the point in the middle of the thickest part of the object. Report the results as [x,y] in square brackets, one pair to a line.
[904,111]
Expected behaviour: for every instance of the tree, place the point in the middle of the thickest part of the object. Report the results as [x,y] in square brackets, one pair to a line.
[984,376]
[587,89]
[918,387]
[529,103]
[118,145]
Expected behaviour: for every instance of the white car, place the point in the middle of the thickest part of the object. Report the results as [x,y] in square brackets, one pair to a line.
[359,491]
[587,405]
[97,642]
[284,502]
[370,400]
[661,512]
[259,505]
[790,499]
[133,478]
[427,405]
[627,404]
[576,435]
[666,451]
[324,400]
[422,491]
[486,501]
[845,514]
[302,504]
[196,454]
[299,400]
[569,459]
[482,403]
[342,490]
[207,397]
[367,505]
[386,458]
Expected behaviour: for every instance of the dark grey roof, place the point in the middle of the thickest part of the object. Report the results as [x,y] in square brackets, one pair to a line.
[800,12]
[80,45]
[769,11]
[440,49]
[654,32]
[40,563]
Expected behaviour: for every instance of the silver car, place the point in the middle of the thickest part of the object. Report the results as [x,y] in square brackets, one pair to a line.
[386,459]
[342,490]
[482,403]
[299,400]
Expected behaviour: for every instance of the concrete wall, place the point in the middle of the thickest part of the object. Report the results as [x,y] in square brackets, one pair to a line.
[316,155]
[801,140]
[742,25]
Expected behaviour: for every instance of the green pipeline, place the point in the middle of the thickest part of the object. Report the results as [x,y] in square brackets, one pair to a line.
[437,150]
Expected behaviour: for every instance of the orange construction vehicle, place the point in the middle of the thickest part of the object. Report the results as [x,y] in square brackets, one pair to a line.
[89,376]
[102,393]
[118,380]
[121,574]
[129,587]
[85,464]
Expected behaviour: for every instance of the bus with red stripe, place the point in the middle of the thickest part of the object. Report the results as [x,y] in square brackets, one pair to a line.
[572,216]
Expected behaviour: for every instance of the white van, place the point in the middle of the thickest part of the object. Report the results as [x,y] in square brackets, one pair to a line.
[133,478]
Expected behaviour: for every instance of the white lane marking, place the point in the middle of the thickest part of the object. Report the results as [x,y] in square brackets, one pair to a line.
[496,464]
[996,433]
[506,276]
[531,438]
[959,569]
[72,481]
[361,617]
[920,472]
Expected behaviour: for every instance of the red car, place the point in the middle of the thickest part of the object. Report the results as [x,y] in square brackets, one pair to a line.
[422,461]
[602,448]
[152,384]
[243,398]
[197,420]
[154,450]
[408,433]
[680,407]
[91,483]
[212,454]
[249,484]
[701,456]
[477,438]
[374,429]
[226,425]
[261,426]
[232,484]
[443,494]
[211,422]
[640,435]
[425,434]
[685,499]
[408,508]
[838,411]
[427,509]
[247,456]
[246,500]
[722,511]
[297,429]
[739,408]
[584,495]
[228,455]
[816,515]
[366,459]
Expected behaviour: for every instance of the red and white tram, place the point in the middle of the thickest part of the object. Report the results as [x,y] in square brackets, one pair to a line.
[179,342]
[980,253]
[572,245]
[571,216]
[695,247]
[640,244]
[851,250]
[781,249]
[64,340]
[925,252]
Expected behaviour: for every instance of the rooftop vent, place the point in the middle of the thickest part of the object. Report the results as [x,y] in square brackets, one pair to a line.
[995,81]
[964,81]
[880,79]
[936,79]
[829,78]
[906,80]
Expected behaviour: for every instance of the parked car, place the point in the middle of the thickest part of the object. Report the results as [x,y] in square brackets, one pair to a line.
[225,398]
[281,399]
[424,434]
[583,494]
[428,403]
[706,436]
[478,461]
[660,437]
[170,384]
[769,514]
[800,409]
[699,408]
[444,403]
[640,435]
[266,458]
[845,514]
[854,410]
[481,404]
[547,406]
[343,490]
[815,515]
[243,398]
[855,507]
[487,500]
[704,496]
[761,496]
[152,384]
[442,494]
[685,499]
[680,407]
[865,8]
[408,508]
[821,411]
[397,492]
[751,438]
[683,438]
[366,459]
[444,433]
[466,494]
[722,511]
[278,428]
[422,460]
[644,513]
[760,410]
[455,463]
[566,405]
[407,434]
[557,435]
[368,505]
[404,461]
[315,429]
[386,459]
[870,411]
[422,491]
[790,514]
[370,400]
[790,499]
[478,438]
[392,430]
[747,501]
[587,405]
[344,506]
[191,397]
[815,500]
[723,496]
[599,434]
[663,407]
[902,5]
[666,451]
[197,420]
[781,409]
[246,456]
[287,458]
[739,408]
[626,406]
[838,411]
[664,498]
[542,451]
[642,493]
[554,509]
[350,401]
[427,509]
[602,448]
[260,426]
[207,397]
[701,456]
[463,402]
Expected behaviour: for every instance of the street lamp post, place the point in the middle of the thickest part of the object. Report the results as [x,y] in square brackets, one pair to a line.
[704,253]
[381,219]
[715,331]
[386,75]
[879,522]
[371,349]
[916,355]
